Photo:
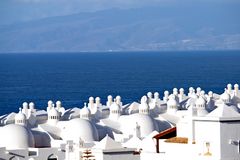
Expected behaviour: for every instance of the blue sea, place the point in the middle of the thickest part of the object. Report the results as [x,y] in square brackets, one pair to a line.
[74,77]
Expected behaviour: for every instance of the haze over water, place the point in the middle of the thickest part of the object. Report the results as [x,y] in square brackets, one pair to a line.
[74,77]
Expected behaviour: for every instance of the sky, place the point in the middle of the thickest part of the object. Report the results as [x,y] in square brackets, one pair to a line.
[13,11]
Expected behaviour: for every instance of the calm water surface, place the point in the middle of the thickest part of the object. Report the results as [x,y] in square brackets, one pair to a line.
[72,78]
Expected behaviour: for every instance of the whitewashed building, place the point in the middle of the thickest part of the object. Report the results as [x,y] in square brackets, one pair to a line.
[183,126]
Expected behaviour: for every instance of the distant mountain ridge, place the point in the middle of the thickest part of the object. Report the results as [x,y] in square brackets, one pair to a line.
[140,29]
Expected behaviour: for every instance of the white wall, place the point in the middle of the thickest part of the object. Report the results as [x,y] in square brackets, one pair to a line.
[42,153]
[230,130]
[18,154]
[120,156]
[208,131]
[45,152]
[99,155]
[152,156]
[183,128]
[179,151]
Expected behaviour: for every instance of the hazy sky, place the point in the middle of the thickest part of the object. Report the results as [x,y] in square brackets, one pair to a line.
[12,11]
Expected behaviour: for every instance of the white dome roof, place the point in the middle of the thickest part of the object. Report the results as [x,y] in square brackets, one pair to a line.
[229,86]
[115,106]
[31,105]
[25,105]
[200,101]
[109,97]
[50,102]
[181,90]
[191,89]
[149,94]
[118,98]
[210,93]
[80,128]
[146,123]
[202,93]
[166,92]
[15,136]
[175,90]
[59,103]
[198,89]
[172,101]
[91,99]
[156,95]
[236,85]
